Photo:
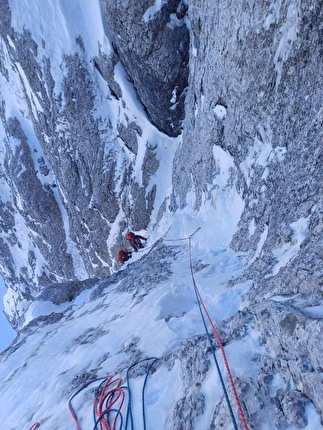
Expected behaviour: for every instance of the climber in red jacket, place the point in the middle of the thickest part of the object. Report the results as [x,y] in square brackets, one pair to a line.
[135,240]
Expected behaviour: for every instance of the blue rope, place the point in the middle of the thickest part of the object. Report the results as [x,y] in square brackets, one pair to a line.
[143,391]
[212,348]
[129,408]
[107,413]
[78,391]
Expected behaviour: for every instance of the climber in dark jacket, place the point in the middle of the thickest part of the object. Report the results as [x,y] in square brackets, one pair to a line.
[124,255]
[135,240]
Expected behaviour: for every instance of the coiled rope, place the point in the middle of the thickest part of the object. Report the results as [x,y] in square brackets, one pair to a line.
[109,400]
[70,406]
[202,308]
[108,395]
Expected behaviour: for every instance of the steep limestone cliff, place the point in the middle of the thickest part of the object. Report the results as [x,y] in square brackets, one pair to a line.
[255,91]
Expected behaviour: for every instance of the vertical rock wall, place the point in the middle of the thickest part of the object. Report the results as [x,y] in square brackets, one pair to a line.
[153,45]
[255,95]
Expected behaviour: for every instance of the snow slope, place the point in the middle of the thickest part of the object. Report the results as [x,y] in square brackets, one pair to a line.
[120,321]
[96,337]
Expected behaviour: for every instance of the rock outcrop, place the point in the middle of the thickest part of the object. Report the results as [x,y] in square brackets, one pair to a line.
[153,45]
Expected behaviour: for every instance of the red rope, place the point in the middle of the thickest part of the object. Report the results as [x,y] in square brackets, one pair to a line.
[107,397]
[108,394]
[74,416]
[35,426]
[242,417]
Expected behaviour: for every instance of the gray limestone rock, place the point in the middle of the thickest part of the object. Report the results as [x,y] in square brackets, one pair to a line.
[70,171]
[154,50]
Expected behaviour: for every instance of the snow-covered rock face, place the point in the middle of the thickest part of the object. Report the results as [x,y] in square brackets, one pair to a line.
[77,153]
[92,107]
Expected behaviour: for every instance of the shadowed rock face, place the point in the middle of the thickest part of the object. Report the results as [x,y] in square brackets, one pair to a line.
[154,49]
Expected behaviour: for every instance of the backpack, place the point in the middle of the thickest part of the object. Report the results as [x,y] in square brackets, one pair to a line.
[122,256]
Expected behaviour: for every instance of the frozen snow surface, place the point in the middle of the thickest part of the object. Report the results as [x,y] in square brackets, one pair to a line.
[228,192]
